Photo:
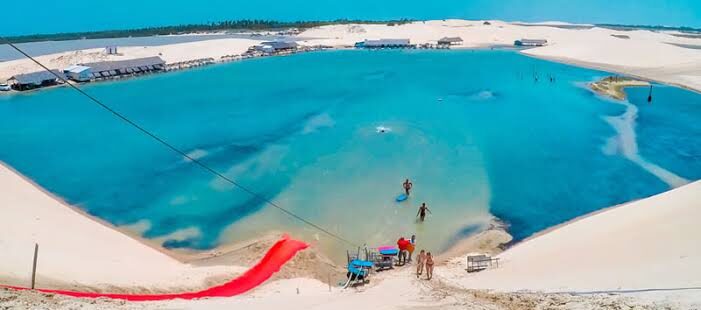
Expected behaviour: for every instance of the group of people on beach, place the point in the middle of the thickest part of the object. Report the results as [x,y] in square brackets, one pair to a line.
[423,261]
[407,185]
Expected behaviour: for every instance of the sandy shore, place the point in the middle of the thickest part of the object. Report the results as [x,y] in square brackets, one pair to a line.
[614,87]
[171,53]
[646,250]
[658,55]
[642,255]
[645,54]
[76,251]
[647,245]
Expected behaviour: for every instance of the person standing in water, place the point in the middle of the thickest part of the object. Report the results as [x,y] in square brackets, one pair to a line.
[422,211]
[407,186]
[420,260]
[429,266]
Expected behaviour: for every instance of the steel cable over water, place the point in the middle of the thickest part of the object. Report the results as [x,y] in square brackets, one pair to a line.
[177,150]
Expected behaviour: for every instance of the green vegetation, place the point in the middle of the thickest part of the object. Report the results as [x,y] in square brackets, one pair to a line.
[231,25]
[647,27]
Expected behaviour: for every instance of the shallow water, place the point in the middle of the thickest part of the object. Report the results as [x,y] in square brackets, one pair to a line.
[475,132]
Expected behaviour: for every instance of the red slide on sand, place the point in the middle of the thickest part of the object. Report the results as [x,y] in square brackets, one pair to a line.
[279,254]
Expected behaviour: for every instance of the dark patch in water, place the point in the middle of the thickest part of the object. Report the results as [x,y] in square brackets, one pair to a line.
[190,243]
[463,233]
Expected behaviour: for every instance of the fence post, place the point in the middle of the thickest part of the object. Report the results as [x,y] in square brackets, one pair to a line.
[34,265]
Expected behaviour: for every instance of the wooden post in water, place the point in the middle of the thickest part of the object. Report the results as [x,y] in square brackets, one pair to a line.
[34,265]
[649,96]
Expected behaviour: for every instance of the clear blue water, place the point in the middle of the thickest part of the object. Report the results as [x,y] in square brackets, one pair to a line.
[671,128]
[472,129]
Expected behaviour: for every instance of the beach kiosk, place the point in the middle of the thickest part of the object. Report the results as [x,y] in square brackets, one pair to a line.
[34,80]
[448,41]
[78,73]
[531,42]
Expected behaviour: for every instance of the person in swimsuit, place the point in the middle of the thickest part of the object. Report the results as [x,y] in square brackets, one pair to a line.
[420,260]
[422,211]
[407,186]
[429,266]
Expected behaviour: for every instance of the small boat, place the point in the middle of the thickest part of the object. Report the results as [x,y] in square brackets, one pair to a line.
[5,87]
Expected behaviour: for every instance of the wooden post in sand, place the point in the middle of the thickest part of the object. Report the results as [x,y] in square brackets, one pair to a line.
[34,265]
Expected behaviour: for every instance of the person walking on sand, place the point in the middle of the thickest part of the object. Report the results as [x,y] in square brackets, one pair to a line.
[422,211]
[429,266]
[407,186]
[420,261]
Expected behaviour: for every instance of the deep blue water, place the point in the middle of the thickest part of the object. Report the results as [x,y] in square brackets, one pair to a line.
[473,130]
[669,128]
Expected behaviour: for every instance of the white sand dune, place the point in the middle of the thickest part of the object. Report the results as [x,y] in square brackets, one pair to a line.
[646,54]
[76,251]
[650,244]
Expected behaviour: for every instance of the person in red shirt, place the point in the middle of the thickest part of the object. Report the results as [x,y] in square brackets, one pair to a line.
[403,245]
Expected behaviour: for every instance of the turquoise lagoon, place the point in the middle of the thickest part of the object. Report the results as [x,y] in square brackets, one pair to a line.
[474,131]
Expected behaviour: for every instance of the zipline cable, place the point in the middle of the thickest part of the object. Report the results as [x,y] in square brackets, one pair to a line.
[175,149]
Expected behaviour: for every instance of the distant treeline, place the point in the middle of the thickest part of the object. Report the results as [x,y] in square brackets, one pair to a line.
[231,25]
[257,25]
[647,27]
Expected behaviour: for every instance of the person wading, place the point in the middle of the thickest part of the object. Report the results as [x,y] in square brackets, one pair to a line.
[407,186]
[422,211]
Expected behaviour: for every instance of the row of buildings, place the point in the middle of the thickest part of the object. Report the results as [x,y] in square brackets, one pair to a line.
[86,72]
[275,47]
[95,71]
[441,43]
[531,42]
[405,43]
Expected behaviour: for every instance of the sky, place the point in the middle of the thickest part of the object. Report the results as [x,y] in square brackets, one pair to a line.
[90,15]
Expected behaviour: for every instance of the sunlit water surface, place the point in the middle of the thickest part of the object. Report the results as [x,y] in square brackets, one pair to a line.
[475,132]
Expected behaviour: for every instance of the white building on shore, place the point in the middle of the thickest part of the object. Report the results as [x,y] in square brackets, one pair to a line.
[78,73]
[531,42]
